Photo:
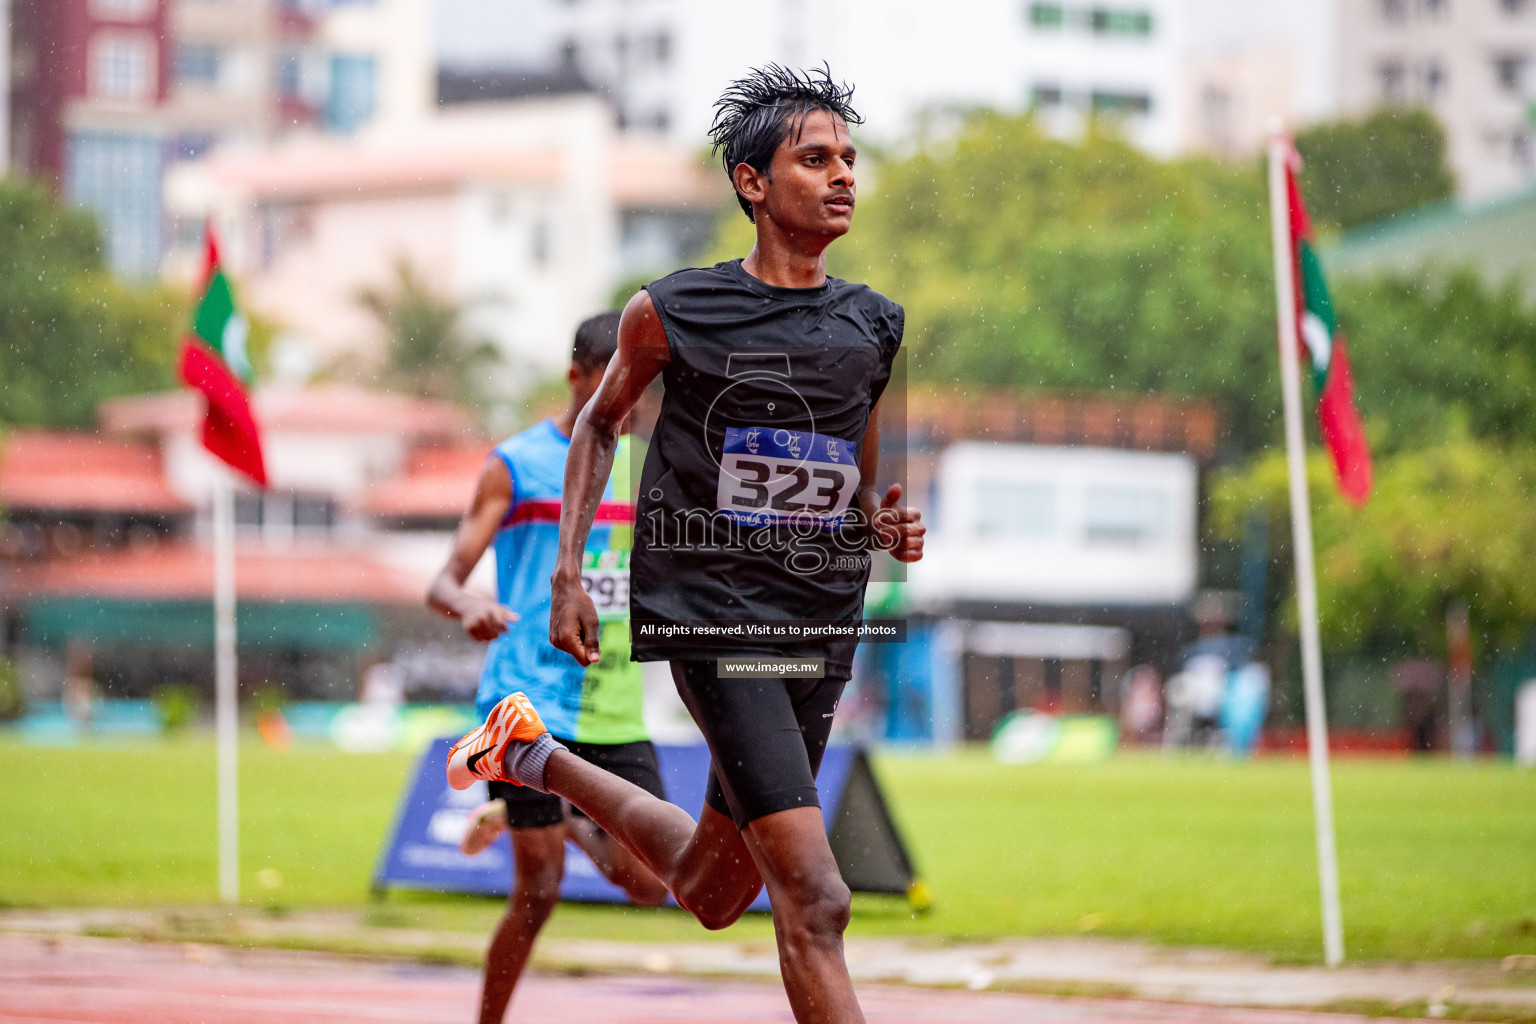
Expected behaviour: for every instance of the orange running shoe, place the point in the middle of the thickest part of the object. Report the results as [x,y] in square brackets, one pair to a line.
[480,754]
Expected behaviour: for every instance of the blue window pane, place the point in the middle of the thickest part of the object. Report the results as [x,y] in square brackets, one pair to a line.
[116,175]
[197,64]
[290,75]
[351,100]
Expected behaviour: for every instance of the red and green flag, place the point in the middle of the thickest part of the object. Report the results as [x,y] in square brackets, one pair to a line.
[215,362]
[1323,350]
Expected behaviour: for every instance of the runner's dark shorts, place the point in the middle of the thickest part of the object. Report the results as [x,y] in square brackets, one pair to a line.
[633,762]
[766,737]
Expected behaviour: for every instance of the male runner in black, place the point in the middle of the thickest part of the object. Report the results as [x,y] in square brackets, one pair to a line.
[773,376]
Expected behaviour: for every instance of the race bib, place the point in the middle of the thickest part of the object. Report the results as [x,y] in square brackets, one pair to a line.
[605,578]
[773,475]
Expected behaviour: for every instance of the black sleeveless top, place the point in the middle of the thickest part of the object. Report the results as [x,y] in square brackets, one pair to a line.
[743,499]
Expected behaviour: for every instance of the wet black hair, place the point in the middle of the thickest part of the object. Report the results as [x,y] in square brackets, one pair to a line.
[755,114]
[597,339]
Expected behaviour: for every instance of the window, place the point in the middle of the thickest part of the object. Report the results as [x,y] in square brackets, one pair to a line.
[350,102]
[197,64]
[1045,96]
[1014,510]
[313,512]
[1106,101]
[1508,70]
[123,66]
[1104,21]
[663,44]
[1435,8]
[1513,6]
[116,175]
[1391,75]
[123,10]
[280,514]
[290,75]
[570,53]
[1433,76]
[191,145]
[538,243]
[1125,515]
[1394,12]
[1046,15]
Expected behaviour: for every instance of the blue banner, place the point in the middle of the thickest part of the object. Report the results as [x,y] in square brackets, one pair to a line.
[423,851]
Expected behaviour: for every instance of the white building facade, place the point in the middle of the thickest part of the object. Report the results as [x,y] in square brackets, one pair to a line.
[527,214]
[1181,74]
[1472,62]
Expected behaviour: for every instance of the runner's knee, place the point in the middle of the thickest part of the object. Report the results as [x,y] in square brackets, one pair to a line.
[645,892]
[538,889]
[822,904]
[714,907]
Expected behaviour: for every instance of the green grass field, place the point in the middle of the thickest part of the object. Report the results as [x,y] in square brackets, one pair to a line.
[1438,859]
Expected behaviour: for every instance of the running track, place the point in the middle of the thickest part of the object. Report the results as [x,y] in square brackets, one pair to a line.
[108,981]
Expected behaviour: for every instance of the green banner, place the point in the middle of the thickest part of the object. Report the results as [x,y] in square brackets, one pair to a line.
[287,625]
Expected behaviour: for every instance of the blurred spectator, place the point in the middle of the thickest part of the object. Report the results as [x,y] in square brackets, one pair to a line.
[1203,685]
[79,686]
[1525,724]
[1141,704]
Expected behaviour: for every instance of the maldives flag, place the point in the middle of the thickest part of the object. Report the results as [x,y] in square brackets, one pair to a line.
[1322,344]
[214,361]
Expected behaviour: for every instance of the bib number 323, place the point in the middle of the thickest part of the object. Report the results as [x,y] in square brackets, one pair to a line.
[773,475]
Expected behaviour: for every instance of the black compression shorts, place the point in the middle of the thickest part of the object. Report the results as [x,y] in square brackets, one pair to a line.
[765,736]
[632,762]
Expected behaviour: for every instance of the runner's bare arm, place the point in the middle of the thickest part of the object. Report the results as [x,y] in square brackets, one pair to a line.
[641,355]
[895,528]
[483,618]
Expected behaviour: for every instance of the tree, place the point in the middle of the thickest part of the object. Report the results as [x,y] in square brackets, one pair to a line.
[1363,170]
[431,351]
[1029,262]
[70,335]
[1450,521]
[1026,261]
[1430,355]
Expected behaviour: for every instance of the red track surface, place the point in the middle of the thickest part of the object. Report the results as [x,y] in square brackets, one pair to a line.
[106,981]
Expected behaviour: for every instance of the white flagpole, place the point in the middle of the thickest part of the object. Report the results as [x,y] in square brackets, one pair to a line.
[1301,533]
[225,688]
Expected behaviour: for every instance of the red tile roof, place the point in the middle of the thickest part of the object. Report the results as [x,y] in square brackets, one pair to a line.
[184,571]
[438,483]
[331,408]
[65,472]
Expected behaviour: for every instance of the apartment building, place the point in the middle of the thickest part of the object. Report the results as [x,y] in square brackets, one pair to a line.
[1472,62]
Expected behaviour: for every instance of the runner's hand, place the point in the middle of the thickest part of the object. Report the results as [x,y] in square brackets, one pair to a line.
[487,620]
[573,620]
[899,528]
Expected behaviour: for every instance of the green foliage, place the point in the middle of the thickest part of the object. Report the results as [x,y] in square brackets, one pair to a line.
[270,697]
[1428,353]
[431,352]
[1447,522]
[1360,171]
[1028,262]
[73,336]
[12,697]
[178,704]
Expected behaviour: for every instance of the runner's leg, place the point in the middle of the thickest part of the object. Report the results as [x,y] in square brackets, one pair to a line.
[810,912]
[540,863]
[769,735]
[705,864]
